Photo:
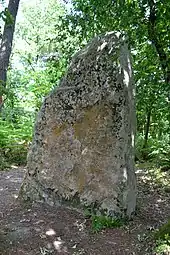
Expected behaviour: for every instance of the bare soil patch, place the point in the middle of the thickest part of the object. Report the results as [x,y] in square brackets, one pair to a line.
[39,229]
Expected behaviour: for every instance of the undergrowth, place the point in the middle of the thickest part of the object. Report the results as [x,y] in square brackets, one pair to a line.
[157,151]
[14,141]
[162,237]
[102,222]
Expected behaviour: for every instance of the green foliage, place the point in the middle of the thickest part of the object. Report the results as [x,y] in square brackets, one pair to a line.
[164,232]
[157,150]
[46,44]
[162,237]
[148,33]
[14,140]
[7,17]
[102,222]
[16,120]
[50,32]
[161,154]
[163,248]
[38,63]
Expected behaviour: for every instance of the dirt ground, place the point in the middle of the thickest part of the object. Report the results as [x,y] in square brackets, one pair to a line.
[39,229]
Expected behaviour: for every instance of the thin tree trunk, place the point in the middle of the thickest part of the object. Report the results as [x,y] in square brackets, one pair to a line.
[148,120]
[163,56]
[6,45]
[156,41]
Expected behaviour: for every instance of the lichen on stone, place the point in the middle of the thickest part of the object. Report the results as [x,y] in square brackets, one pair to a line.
[82,148]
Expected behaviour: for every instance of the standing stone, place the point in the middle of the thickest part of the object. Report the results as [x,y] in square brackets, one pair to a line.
[82,152]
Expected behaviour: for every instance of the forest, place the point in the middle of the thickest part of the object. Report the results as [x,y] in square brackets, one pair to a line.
[42,36]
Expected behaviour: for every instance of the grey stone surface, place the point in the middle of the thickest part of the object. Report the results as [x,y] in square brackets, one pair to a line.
[83,146]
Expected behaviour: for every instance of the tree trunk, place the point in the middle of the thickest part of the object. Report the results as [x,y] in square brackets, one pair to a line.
[156,41]
[163,56]
[148,119]
[6,45]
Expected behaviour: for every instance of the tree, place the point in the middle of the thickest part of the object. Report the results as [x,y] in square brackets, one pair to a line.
[147,24]
[6,42]
[41,55]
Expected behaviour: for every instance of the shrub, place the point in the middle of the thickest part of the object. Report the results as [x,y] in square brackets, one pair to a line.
[14,140]
[162,237]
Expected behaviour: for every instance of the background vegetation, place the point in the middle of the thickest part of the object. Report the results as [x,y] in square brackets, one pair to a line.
[48,33]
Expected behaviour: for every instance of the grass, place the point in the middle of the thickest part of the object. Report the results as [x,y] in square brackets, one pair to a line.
[103,222]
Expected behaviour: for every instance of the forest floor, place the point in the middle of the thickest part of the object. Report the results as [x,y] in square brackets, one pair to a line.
[43,230]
